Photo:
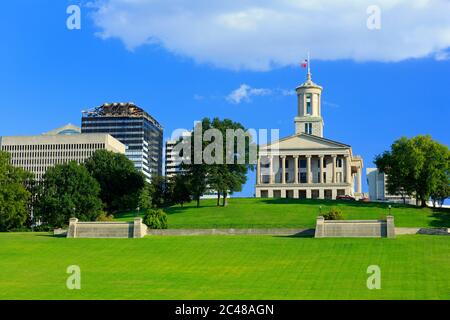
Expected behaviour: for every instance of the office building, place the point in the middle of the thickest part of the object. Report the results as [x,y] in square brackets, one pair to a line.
[136,129]
[38,153]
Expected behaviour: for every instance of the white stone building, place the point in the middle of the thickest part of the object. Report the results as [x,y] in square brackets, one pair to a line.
[307,165]
[377,188]
[38,153]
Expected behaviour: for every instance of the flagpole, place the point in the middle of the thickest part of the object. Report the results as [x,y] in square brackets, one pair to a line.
[309,68]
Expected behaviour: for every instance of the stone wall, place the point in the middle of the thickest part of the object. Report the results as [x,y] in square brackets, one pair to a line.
[135,229]
[355,228]
[196,232]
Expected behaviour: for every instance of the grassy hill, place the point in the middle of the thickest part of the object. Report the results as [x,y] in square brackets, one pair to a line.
[292,213]
[33,266]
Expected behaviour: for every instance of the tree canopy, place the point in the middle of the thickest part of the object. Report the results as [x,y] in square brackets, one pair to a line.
[14,196]
[67,191]
[120,182]
[418,167]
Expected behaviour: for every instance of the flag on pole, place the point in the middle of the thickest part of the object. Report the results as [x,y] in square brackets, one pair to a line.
[304,63]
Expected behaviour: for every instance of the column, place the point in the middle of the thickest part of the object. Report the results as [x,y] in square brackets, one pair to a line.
[258,171]
[308,169]
[271,177]
[348,169]
[321,169]
[296,169]
[359,181]
[283,169]
[333,178]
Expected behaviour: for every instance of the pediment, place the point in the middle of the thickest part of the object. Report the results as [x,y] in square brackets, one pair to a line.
[304,142]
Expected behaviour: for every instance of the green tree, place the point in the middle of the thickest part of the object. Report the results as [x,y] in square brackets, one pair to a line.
[160,190]
[180,189]
[231,175]
[14,196]
[68,191]
[196,171]
[120,182]
[145,197]
[418,167]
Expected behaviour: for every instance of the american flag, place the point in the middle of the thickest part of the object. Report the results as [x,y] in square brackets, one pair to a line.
[304,63]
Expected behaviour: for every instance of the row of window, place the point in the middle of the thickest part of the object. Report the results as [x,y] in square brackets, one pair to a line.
[303,178]
[50,147]
[315,194]
[303,163]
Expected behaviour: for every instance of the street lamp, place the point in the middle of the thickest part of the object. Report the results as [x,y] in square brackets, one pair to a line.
[320,210]
[138,211]
[390,209]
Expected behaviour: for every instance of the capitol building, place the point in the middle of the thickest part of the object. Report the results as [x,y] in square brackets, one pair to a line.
[305,164]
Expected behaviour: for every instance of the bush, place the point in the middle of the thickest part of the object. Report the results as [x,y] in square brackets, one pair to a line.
[155,219]
[105,217]
[333,214]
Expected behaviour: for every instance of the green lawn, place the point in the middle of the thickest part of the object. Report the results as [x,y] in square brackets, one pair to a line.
[291,213]
[33,266]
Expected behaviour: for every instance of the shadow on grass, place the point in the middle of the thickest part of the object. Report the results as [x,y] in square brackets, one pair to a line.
[441,218]
[359,204]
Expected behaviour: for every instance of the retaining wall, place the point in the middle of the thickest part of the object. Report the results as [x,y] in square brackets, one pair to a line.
[355,228]
[197,232]
[135,229]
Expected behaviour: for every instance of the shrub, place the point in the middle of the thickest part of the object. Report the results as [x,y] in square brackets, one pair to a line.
[105,217]
[155,219]
[333,214]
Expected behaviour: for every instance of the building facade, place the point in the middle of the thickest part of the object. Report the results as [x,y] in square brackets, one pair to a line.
[38,153]
[307,165]
[172,163]
[377,182]
[136,129]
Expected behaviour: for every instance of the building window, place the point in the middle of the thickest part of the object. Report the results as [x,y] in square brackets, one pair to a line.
[302,163]
[302,177]
[339,162]
[308,104]
[308,128]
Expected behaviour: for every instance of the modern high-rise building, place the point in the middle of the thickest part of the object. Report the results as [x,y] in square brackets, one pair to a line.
[135,128]
[172,159]
[38,153]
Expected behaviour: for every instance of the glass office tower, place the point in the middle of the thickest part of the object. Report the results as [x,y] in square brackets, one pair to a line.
[135,128]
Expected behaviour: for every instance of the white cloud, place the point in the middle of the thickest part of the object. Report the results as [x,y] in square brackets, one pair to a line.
[442,55]
[260,35]
[244,94]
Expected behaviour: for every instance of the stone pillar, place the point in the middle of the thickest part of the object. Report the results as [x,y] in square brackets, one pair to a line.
[390,227]
[72,232]
[138,228]
[359,189]
[296,169]
[319,232]
[258,171]
[308,169]
[321,169]
[271,176]
[283,169]
[333,177]
[348,169]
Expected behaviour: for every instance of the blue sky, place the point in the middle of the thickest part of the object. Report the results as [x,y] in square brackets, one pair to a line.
[49,74]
